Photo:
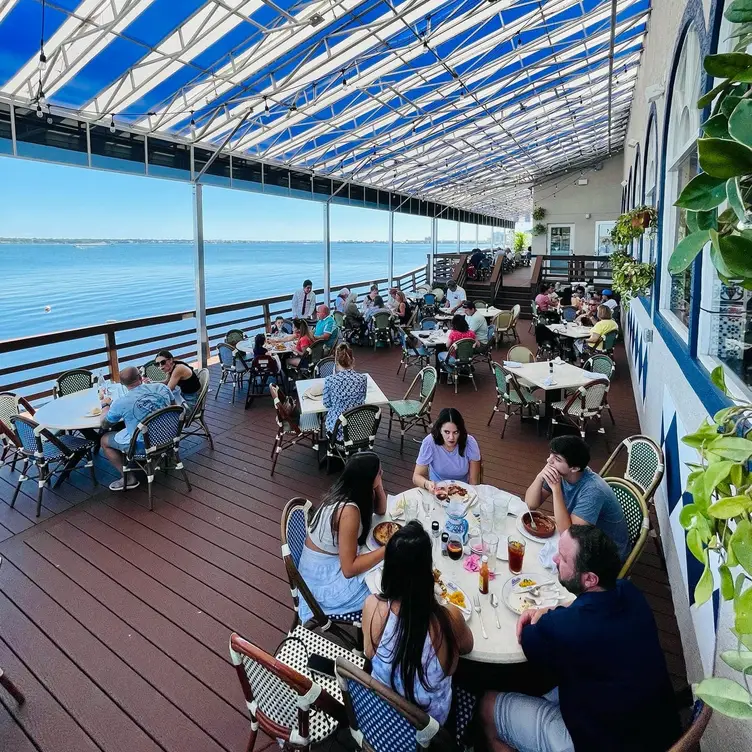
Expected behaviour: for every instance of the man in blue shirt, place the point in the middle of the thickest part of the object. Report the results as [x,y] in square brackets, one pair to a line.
[580,496]
[325,324]
[140,400]
[613,689]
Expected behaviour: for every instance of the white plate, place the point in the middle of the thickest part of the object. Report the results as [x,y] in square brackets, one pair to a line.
[472,495]
[453,588]
[314,392]
[516,601]
[521,529]
[371,541]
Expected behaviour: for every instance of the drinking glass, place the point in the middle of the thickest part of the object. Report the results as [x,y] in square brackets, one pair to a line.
[516,548]
[491,549]
[411,509]
[486,516]
[454,547]
[500,511]
[426,501]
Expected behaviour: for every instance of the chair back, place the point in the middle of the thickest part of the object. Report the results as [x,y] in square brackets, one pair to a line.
[515,312]
[590,398]
[226,355]
[382,320]
[153,372]
[439,293]
[9,406]
[645,464]
[324,368]
[463,351]
[428,380]
[316,352]
[70,382]
[689,741]
[26,431]
[429,299]
[159,430]
[509,388]
[544,337]
[520,354]
[635,512]
[601,364]
[234,336]
[428,324]
[480,304]
[286,420]
[503,321]
[609,341]
[359,426]
[197,411]
[339,318]
[384,720]
[569,313]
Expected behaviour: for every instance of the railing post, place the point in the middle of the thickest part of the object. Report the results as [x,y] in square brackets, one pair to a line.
[112,356]
[202,335]
[327,255]
[459,225]
[415,284]
[267,317]
[390,267]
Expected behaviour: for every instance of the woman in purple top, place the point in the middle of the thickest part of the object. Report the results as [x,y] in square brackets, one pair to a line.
[447,453]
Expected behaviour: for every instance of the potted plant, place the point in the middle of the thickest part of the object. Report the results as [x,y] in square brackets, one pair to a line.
[539,229]
[632,225]
[538,213]
[631,277]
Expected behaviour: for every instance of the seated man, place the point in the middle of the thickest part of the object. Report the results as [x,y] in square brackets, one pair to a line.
[455,296]
[580,496]
[140,400]
[304,301]
[325,324]
[477,323]
[613,691]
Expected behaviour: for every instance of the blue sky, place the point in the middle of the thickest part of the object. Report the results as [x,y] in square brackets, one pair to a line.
[48,200]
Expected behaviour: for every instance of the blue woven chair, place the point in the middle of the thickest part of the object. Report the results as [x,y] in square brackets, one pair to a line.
[48,454]
[295,519]
[234,368]
[70,382]
[568,314]
[414,353]
[428,324]
[324,368]
[160,432]
[10,405]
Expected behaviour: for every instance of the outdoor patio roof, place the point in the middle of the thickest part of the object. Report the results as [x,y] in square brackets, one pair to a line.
[464,102]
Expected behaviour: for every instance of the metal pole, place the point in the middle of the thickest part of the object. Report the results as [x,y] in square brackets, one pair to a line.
[477,227]
[434,246]
[390,273]
[459,224]
[202,336]
[327,255]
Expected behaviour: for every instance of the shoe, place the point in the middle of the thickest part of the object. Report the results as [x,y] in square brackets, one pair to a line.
[117,485]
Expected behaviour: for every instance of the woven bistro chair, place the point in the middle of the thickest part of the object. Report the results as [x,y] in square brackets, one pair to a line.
[381,720]
[534,316]
[584,404]
[10,405]
[234,336]
[160,432]
[635,510]
[604,365]
[480,304]
[484,350]
[689,741]
[414,353]
[414,412]
[70,382]
[358,426]
[516,310]
[381,329]
[195,418]
[282,697]
[515,397]
[150,370]
[324,368]
[503,327]
[339,318]
[262,371]
[429,305]
[295,521]
[459,362]
[645,465]
[568,314]
[234,368]
[48,454]
[291,431]
[609,342]
[427,324]
[520,354]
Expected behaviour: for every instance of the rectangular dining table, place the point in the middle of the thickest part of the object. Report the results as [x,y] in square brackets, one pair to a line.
[374,395]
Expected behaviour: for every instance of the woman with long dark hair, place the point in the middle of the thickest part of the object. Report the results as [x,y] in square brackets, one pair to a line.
[330,564]
[414,642]
[447,453]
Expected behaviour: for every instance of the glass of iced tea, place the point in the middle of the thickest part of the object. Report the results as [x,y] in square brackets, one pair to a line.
[454,547]
[516,548]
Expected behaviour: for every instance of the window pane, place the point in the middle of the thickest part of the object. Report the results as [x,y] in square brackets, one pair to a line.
[731,330]
[681,284]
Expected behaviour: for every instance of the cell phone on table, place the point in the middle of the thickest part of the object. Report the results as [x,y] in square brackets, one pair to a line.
[321,665]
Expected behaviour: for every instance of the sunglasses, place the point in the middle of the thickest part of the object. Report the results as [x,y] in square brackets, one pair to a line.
[159,363]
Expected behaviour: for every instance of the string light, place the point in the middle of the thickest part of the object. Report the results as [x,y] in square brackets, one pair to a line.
[266,105]
[193,126]
[112,123]
[40,114]
[42,60]
[344,80]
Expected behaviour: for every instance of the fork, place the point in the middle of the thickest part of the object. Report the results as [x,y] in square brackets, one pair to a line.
[476,601]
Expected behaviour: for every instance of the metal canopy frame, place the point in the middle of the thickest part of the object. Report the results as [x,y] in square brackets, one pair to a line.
[460,103]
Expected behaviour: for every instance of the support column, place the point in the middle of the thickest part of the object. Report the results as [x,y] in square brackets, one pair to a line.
[327,255]
[390,272]
[434,245]
[202,335]
[477,227]
[459,225]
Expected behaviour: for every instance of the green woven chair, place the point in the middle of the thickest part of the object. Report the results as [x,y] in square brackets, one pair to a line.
[153,372]
[381,329]
[644,464]
[459,362]
[516,398]
[604,365]
[635,511]
[414,412]
[234,336]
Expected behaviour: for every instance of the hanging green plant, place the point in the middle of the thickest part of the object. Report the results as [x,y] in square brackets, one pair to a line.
[631,277]
[539,229]
[633,224]
[538,213]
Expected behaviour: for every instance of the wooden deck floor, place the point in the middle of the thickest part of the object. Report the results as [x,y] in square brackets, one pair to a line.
[115,620]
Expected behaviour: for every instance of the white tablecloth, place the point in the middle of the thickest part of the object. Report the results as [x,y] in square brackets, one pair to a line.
[374,395]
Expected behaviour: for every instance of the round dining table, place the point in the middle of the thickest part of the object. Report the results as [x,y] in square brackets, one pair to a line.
[73,412]
[500,645]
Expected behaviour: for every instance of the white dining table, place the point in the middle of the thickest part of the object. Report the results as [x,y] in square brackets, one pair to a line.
[72,412]
[575,331]
[374,395]
[436,337]
[501,646]
[246,346]
[565,375]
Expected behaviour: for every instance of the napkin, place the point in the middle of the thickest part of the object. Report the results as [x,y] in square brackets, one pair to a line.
[472,564]
[512,363]
[546,555]
[548,381]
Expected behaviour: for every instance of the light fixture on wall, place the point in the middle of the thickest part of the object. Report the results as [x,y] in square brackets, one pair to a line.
[624,183]
[587,216]
[654,92]
[632,143]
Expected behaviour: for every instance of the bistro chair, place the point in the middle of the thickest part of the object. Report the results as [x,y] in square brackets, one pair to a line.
[520,354]
[429,304]
[584,404]
[48,454]
[10,405]
[645,465]
[150,370]
[234,368]
[354,431]
[160,434]
[547,342]
[480,304]
[291,430]
[414,353]
[331,343]
[262,371]
[427,324]
[9,686]
[604,365]
[381,329]
[295,521]
[70,382]
[503,327]
[514,396]
[381,720]
[282,698]
[439,293]
[689,741]
[234,336]
[324,368]
[484,350]
[459,362]
[609,342]
[195,418]
[516,309]
[534,315]
[568,314]
[339,318]
[635,511]
[414,412]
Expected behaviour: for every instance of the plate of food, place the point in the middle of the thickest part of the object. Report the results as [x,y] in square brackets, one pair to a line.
[94,412]
[518,596]
[314,392]
[449,592]
[381,533]
[546,526]
[455,490]
[425,335]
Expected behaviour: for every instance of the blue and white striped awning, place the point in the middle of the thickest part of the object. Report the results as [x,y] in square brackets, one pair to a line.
[466,102]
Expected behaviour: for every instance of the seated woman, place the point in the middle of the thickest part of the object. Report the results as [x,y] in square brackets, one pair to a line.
[414,642]
[354,321]
[302,339]
[447,453]
[601,328]
[460,330]
[182,380]
[259,349]
[401,309]
[330,564]
[345,388]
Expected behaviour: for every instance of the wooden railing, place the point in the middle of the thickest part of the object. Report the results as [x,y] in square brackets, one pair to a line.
[34,362]
[572,269]
[444,265]
[497,277]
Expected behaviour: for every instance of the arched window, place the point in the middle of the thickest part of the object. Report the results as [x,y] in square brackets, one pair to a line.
[649,181]
[681,167]
[637,199]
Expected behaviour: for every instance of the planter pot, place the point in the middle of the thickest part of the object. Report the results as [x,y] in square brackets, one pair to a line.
[641,220]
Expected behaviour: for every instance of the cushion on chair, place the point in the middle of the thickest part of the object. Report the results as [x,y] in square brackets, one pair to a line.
[405,408]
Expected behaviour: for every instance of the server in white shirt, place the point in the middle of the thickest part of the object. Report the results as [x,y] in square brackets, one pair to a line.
[455,296]
[304,302]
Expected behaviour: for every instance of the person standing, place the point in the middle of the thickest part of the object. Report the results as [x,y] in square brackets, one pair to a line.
[455,296]
[304,301]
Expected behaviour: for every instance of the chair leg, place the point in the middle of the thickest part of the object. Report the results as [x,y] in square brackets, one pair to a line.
[90,465]
[611,414]
[504,427]
[149,480]
[12,689]
[41,481]
[21,478]
[208,433]
[222,380]
[275,455]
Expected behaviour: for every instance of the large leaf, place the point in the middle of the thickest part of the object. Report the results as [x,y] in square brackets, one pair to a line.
[740,11]
[737,254]
[684,253]
[734,194]
[704,588]
[718,377]
[706,99]
[726,509]
[741,543]
[727,583]
[727,65]
[702,220]
[742,612]
[740,122]
[725,696]
[719,264]
[722,158]
[729,103]
[694,544]
[740,660]
[702,193]
[716,127]
[716,472]
[733,448]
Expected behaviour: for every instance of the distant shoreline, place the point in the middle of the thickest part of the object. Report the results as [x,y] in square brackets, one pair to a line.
[105,241]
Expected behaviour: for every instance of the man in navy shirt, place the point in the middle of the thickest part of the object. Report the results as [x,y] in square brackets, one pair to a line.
[613,690]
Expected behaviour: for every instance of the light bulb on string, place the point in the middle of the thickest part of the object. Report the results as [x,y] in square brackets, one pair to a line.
[344,79]
[266,105]
[42,61]
[193,126]
[112,123]
[40,114]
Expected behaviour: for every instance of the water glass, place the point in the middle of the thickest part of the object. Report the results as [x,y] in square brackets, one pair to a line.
[491,549]
[426,500]
[486,516]
[500,511]
[411,509]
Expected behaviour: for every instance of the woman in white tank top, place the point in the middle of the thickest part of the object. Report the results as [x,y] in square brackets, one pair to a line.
[331,565]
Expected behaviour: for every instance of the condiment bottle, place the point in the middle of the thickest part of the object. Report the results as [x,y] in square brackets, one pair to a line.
[483,576]
[435,529]
[444,542]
